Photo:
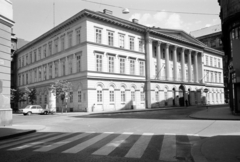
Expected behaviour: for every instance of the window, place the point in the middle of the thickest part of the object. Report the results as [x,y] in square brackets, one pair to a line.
[23,79]
[35,75]
[111,94]
[70,68]
[78,59]
[212,77]
[211,61]
[121,41]
[207,75]
[142,67]
[50,70]
[35,55]
[99,62]
[132,67]
[216,77]
[78,36]
[26,59]
[26,78]
[56,68]
[19,80]
[111,64]
[19,62]
[50,48]
[215,62]
[157,95]
[171,55]
[142,95]
[132,94]
[39,73]
[110,38]
[71,97]
[163,53]
[98,35]
[45,50]
[179,57]
[45,72]
[56,45]
[219,63]
[30,76]
[22,61]
[220,78]
[99,94]
[79,96]
[63,42]
[140,45]
[131,41]
[63,66]
[123,94]
[122,65]
[70,39]
[39,53]
[206,60]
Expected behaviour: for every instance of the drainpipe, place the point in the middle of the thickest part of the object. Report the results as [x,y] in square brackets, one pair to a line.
[148,70]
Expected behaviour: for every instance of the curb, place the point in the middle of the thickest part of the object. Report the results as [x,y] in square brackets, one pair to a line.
[17,134]
[197,153]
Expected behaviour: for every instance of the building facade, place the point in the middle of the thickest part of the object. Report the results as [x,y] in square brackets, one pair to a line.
[230,12]
[116,64]
[6,23]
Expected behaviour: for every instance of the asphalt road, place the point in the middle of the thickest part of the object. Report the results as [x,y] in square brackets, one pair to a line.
[166,135]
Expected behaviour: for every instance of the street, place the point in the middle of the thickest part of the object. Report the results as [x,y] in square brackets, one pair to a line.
[165,135]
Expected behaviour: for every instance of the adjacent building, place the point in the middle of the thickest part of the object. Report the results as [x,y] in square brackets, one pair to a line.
[230,13]
[117,64]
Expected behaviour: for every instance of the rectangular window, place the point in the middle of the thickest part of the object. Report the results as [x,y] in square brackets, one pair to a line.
[71,97]
[39,73]
[123,96]
[111,95]
[35,55]
[110,38]
[19,80]
[69,39]
[111,64]
[216,77]
[78,36]
[121,41]
[215,62]
[122,65]
[45,50]
[131,41]
[133,95]
[140,45]
[219,65]
[35,75]
[142,67]
[63,66]
[78,59]
[26,78]
[99,96]
[70,65]
[56,45]
[50,48]
[50,70]
[27,59]
[45,72]
[206,60]
[132,67]
[220,78]
[211,61]
[79,96]
[19,63]
[39,53]
[23,61]
[63,42]
[98,35]
[56,68]
[99,62]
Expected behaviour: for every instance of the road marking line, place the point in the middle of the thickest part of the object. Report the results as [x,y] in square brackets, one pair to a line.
[20,138]
[27,140]
[86,144]
[107,149]
[140,146]
[61,143]
[168,150]
[38,142]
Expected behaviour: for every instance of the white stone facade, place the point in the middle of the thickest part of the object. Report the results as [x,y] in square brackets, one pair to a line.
[105,59]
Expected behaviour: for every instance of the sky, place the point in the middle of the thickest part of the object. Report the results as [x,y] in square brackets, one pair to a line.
[35,17]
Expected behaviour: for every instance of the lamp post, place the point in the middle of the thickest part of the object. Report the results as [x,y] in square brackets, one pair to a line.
[206,91]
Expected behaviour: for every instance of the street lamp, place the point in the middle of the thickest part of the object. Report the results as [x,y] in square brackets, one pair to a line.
[125,11]
[206,91]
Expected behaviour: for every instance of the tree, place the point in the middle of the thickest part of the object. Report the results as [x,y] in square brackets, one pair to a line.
[62,89]
[31,94]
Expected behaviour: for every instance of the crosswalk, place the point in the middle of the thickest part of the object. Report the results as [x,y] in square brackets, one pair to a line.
[166,147]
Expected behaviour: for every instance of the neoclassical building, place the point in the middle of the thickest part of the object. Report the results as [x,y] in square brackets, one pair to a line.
[117,64]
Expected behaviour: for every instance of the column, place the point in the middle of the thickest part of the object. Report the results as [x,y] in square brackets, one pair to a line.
[175,63]
[183,64]
[189,66]
[167,61]
[196,66]
[148,70]
[159,65]
[200,67]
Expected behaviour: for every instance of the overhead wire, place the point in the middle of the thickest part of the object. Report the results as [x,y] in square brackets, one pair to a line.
[179,12]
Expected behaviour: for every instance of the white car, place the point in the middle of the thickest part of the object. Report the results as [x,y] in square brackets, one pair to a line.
[34,109]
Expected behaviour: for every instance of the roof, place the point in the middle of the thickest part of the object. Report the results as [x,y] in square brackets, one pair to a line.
[206,31]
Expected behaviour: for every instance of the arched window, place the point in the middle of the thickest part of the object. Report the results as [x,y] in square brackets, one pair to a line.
[123,94]
[99,94]
[79,95]
[133,94]
[111,94]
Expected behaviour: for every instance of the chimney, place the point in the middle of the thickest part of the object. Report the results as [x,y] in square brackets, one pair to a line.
[135,21]
[108,12]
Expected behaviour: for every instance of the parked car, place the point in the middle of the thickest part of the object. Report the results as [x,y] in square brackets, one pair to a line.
[34,109]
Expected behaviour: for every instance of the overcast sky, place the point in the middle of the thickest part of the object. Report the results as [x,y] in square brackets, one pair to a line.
[35,17]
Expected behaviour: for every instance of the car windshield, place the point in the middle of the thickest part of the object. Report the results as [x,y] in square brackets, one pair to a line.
[28,106]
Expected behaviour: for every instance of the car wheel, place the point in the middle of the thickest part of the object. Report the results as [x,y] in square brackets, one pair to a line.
[29,113]
[45,113]
[24,114]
